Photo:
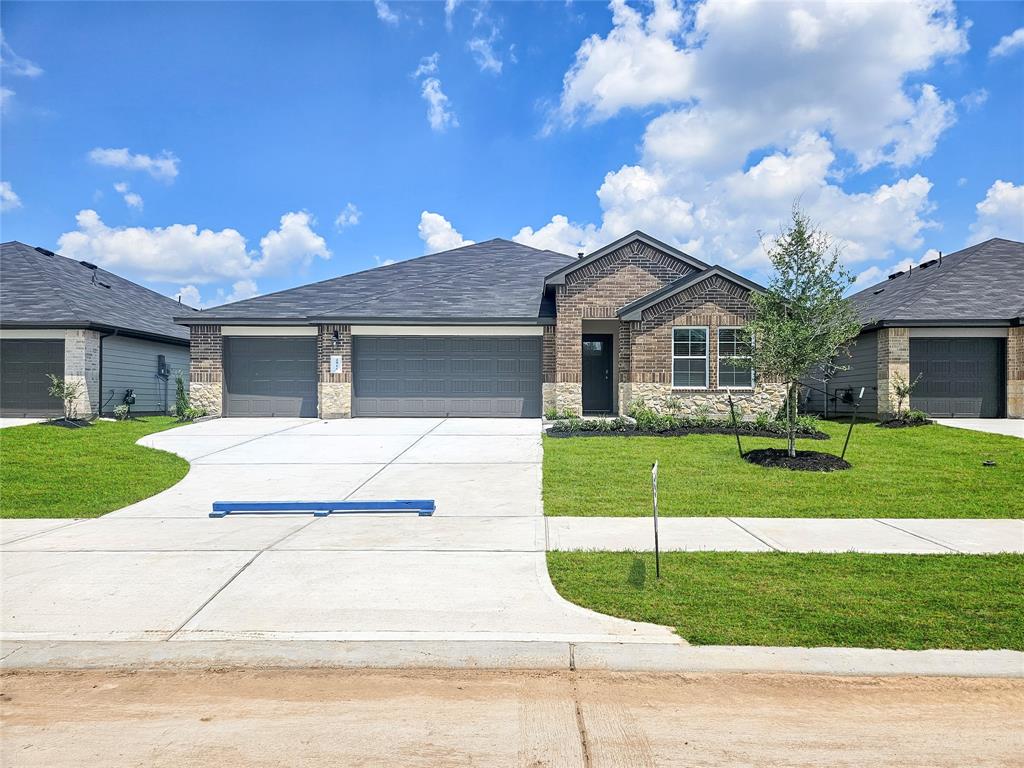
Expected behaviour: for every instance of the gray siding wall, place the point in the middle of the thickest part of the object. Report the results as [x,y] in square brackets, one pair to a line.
[131,364]
[862,371]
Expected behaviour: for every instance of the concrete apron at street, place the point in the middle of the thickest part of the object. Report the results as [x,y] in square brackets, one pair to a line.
[160,583]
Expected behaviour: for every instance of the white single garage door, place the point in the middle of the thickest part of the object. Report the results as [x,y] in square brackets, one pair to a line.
[447,376]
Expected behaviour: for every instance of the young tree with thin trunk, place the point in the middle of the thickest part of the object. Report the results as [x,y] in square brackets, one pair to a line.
[802,320]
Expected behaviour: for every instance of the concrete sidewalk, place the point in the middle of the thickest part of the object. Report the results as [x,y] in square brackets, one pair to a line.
[764,534]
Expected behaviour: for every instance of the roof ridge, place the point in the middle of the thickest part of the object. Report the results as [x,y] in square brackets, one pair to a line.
[375,297]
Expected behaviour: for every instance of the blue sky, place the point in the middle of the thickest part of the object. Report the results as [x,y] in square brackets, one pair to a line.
[219,150]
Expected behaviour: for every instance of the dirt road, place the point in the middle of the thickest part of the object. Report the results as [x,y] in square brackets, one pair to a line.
[432,719]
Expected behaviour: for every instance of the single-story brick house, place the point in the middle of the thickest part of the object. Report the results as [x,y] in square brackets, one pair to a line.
[85,324]
[491,329]
[955,321]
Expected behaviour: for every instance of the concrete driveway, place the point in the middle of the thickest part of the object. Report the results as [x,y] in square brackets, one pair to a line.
[161,570]
[1011,427]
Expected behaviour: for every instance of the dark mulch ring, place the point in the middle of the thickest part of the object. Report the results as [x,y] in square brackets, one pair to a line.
[69,423]
[806,461]
[682,432]
[901,423]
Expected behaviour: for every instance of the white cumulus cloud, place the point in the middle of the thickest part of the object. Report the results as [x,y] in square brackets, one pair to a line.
[1008,44]
[131,199]
[1000,214]
[9,199]
[184,253]
[348,217]
[746,119]
[163,167]
[385,13]
[439,111]
[438,234]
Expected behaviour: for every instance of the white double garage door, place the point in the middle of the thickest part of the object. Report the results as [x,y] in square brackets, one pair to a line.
[485,372]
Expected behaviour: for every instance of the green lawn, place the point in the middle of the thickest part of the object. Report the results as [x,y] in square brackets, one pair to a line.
[782,599]
[930,471]
[48,471]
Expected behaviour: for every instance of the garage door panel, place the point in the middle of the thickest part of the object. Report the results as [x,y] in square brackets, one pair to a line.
[961,378]
[446,375]
[24,387]
[270,376]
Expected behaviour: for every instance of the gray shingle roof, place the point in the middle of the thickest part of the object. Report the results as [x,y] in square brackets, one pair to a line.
[54,291]
[982,283]
[497,280]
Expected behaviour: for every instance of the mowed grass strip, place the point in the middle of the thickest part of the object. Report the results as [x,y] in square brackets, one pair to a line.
[807,600]
[48,471]
[930,471]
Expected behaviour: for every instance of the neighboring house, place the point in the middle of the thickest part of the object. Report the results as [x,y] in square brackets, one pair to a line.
[492,329]
[955,321]
[82,323]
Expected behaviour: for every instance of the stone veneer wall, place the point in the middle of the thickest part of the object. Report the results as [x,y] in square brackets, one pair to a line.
[206,368]
[334,390]
[1015,373]
[596,292]
[82,366]
[893,359]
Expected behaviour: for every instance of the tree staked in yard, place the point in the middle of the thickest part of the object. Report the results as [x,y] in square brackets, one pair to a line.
[802,320]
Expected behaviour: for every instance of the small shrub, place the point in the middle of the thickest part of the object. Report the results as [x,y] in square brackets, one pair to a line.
[673,405]
[122,412]
[553,414]
[915,416]
[181,403]
[191,413]
[807,423]
[67,392]
[702,415]
[902,389]
[763,420]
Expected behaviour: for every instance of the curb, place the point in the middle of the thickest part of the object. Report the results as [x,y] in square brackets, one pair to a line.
[519,655]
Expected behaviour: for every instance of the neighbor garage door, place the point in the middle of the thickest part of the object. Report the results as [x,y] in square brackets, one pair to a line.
[959,377]
[447,376]
[24,388]
[270,376]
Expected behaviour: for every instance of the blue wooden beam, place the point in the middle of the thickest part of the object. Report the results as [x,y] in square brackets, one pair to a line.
[422,507]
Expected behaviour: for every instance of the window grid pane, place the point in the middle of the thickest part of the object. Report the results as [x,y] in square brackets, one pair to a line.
[689,357]
[731,345]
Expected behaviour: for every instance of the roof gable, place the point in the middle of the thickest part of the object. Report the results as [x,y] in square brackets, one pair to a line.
[635,310]
[558,276]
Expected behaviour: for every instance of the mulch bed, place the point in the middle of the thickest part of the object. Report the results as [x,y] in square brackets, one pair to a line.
[685,431]
[69,423]
[806,461]
[902,423]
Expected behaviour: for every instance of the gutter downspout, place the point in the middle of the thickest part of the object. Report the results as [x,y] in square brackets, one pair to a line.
[102,337]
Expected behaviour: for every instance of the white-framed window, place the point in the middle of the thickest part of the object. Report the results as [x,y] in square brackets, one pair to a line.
[690,357]
[731,372]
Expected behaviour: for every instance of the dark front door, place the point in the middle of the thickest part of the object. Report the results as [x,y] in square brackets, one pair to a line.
[597,373]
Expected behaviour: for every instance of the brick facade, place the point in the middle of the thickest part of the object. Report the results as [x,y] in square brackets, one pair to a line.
[643,367]
[597,291]
[893,361]
[206,368]
[82,367]
[1015,373]
[334,390]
